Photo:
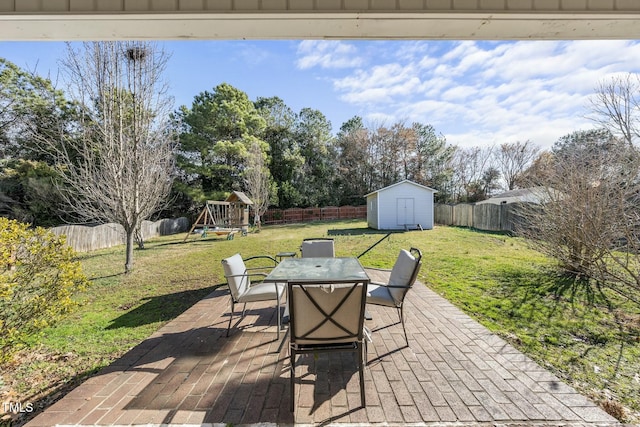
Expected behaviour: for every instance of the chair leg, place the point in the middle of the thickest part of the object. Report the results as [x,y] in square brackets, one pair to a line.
[401,312]
[361,371]
[230,318]
[278,313]
[292,357]
[366,351]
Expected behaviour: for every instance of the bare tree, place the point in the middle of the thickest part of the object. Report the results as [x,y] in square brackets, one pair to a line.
[116,164]
[538,172]
[513,159]
[590,219]
[258,181]
[471,167]
[616,106]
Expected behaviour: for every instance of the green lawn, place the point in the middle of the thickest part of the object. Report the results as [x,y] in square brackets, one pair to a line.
[498,280]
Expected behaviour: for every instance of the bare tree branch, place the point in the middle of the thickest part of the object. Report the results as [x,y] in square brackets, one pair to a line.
[615,106]
[514,159]
[590,221]
[117,162]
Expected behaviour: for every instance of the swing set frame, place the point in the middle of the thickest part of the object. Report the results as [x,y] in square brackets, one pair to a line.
[223,217]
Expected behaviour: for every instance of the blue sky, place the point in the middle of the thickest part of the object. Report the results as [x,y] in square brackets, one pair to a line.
[474,93]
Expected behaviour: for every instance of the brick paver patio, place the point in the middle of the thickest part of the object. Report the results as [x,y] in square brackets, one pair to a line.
[453,372]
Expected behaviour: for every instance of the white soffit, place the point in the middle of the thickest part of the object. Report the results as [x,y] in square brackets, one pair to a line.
[320,25]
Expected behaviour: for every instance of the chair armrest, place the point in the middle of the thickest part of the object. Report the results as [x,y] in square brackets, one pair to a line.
[390,286]
[275,262]
[248,274]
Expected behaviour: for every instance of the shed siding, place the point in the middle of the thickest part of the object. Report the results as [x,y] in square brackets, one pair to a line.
[372,210]
[388,199]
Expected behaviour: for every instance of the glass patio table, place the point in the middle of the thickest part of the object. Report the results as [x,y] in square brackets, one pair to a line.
[317,270]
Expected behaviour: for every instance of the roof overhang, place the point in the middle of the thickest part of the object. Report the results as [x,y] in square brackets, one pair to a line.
[319,25]
[404,181]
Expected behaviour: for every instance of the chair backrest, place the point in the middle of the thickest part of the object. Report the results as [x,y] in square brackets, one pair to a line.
[322,248]
[236,274]
[404,273]
[326,314]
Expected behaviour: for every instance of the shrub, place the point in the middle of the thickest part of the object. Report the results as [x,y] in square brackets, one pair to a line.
[615,409]
[38,278]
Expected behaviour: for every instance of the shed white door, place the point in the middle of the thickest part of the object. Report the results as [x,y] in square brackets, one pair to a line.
[404,209]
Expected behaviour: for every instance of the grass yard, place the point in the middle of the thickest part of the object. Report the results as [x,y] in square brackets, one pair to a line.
[496,279]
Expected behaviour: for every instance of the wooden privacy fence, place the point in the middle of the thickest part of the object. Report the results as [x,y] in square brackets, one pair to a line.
[284,216]
[485,216]
[84,238]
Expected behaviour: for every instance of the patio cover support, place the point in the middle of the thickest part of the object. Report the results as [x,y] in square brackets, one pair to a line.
[320,25]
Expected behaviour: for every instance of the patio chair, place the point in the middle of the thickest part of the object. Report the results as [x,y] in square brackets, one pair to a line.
[243,291]
[317,247]
[327,318]
[402,277]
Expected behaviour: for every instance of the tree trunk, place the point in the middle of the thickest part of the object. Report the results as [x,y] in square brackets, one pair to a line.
[128,266]
[257,222]
[139,238]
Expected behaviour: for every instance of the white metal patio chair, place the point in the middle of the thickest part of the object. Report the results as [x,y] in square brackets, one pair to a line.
[243,290]
[317,247]
[403,276]
[327,318]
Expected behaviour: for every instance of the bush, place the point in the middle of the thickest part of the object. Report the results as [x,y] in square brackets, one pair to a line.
[38,278]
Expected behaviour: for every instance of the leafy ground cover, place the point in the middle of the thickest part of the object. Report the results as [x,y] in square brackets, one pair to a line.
[496,279]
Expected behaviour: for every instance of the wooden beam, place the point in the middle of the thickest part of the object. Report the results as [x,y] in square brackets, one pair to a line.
[317,25]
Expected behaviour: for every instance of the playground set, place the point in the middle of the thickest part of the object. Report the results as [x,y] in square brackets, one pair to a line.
[228,217]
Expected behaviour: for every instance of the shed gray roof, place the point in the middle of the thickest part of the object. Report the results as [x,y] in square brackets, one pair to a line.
[424,187]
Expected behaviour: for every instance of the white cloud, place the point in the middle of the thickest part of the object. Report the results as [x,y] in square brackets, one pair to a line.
[380,85]
[327,54]
[528,130]
[432,87]
[379,119]
[485,92]
[411,49]
[387,75]
[460,93]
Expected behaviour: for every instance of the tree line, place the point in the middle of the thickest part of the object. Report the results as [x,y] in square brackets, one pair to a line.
[308,166]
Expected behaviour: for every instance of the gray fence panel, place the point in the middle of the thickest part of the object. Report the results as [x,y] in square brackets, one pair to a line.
[443,214]
[84,238]
[486,216]
[463,215]
[174,226]
[516,217]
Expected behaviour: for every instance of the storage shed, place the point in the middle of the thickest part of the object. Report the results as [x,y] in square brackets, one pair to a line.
[405,205]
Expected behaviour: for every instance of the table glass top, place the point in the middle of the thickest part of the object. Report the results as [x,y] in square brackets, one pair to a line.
[317,269]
